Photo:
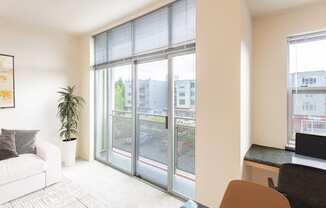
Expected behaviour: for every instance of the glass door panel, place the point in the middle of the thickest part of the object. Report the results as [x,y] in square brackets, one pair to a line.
[151,121]
[101,130]
[184,75]
[132,125]
[121,117]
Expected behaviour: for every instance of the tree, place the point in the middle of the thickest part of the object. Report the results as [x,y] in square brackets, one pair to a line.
[119,95]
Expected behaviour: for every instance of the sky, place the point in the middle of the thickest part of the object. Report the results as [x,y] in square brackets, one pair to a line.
[121,72]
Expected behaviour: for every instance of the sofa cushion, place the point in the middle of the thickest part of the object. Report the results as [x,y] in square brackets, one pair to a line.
[25,140]
[20,167]
[7,147]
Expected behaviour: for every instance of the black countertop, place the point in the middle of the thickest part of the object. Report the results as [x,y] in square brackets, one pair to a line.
[269,155]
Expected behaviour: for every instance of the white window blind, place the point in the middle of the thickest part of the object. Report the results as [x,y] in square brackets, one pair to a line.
[307,37]
[100,43]
[151,31]
[183,21]
[166,30]
[120,42]
[307,85]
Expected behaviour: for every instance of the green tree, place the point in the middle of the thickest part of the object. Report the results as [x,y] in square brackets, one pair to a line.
[119,95]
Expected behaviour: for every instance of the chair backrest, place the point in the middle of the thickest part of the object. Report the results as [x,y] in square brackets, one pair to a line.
[304,186]
[242,194]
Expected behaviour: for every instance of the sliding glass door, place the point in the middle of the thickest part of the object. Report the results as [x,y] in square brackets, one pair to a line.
[152,122]
[145,97]
[121,117]
[184,120]
[100,111]
[145,120]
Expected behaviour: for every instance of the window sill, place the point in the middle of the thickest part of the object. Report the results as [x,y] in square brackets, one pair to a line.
[290,147]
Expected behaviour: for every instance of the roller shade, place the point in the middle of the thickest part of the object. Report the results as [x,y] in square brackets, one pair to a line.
[120,42]
[167,30]
[307,37]
[101,52]
[183,21]
[151,31]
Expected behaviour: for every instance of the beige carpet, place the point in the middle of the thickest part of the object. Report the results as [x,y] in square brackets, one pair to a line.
[118,190]
[61,195]
[94,185]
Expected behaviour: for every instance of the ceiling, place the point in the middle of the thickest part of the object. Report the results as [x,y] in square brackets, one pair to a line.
[263,7]
[73,16]
[81,16]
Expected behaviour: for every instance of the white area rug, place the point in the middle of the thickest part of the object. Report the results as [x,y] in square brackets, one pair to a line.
[61,195]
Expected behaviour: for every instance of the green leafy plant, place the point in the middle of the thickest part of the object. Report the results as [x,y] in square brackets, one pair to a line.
[119,95]
[68,112]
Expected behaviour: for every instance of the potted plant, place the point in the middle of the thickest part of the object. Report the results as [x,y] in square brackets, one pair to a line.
[68,113]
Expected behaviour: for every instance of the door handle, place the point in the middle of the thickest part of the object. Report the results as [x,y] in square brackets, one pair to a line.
[166,122]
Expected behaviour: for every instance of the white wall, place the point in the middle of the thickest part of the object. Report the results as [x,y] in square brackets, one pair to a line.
[44,61]
[269,90]
[223,106]
[245,80]
[86,143]
[270,69]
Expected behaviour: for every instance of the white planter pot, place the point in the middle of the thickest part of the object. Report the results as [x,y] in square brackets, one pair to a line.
[69,153]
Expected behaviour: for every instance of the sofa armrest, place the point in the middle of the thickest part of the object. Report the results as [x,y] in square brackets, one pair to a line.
[52,156]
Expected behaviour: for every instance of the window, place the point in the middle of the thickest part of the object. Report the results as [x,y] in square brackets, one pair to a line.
[307,85]
[137,117]
[151,31]
[308,81]
[100,49]
[120,42]
[184,73]
[182,102]
[183,21]
[167,30]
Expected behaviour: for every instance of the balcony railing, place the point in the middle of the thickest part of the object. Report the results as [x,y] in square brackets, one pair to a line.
[184,136]
[309,124]
[153,140]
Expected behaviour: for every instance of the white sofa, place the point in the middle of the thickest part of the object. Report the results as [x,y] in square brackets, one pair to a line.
[27,173]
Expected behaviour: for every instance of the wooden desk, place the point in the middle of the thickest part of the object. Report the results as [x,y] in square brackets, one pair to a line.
[271,159]
[261,166]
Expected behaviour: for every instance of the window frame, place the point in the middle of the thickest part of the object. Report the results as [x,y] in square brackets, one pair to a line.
[290,141]
[184,48]
[308,37]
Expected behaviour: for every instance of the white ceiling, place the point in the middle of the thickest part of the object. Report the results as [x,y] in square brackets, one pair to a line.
[81,16]
[74,16]
[263,7]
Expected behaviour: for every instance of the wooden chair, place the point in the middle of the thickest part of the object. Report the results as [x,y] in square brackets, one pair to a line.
[242,194]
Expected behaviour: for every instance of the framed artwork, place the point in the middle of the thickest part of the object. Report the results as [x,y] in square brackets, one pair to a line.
[7,81]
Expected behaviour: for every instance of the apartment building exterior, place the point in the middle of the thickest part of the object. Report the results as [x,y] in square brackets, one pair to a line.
[308,101]
[152,96]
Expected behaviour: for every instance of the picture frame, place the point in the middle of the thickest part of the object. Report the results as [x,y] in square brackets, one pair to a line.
[7,81]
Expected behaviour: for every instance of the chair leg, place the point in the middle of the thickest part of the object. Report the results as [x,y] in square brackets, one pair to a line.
[271,183]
